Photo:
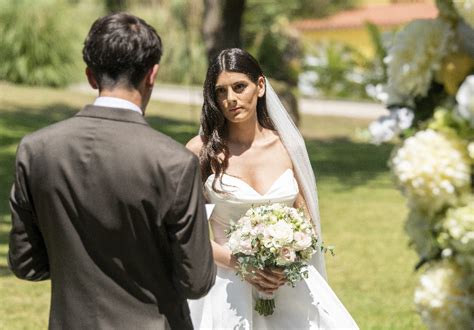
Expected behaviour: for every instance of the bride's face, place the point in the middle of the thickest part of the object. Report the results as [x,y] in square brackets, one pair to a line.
[237,95]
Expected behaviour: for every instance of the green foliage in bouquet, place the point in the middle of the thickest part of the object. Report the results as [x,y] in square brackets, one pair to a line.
[37,42]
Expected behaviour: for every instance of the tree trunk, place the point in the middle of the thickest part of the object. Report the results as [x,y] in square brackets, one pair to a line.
[222,23]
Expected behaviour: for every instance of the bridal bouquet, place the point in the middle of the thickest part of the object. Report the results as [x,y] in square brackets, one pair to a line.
[273,235]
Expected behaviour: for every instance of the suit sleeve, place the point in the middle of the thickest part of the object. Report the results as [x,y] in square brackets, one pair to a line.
[27,257]
[194,270]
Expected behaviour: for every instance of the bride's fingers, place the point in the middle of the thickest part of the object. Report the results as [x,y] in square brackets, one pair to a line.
[262,289]
[267,285]
[255,278]
[277,271]
[268,276]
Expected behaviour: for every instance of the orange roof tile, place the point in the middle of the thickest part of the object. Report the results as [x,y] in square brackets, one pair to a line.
[382,15]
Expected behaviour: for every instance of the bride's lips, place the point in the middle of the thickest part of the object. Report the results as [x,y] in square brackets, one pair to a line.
[235,109]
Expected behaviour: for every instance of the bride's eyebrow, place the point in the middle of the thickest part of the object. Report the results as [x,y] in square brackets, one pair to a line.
[234,83]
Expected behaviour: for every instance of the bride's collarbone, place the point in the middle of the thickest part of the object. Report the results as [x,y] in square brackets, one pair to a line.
[261,145]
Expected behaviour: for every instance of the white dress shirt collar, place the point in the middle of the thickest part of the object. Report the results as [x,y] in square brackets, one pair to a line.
[115,102]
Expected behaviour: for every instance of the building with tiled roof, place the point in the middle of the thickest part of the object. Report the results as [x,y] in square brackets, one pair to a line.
[349,26]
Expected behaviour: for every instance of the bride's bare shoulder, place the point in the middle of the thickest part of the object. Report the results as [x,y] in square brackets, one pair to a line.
[195,144]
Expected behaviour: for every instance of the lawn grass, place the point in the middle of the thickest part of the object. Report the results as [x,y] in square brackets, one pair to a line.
[362,214]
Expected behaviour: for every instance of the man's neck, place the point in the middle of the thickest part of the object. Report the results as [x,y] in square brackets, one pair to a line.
[133,95]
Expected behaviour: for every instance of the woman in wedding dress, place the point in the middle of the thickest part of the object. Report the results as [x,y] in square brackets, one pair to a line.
[251,154]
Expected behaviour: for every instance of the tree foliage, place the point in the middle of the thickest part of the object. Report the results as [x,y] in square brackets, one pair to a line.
[179,24]
[115,5]
[37,45]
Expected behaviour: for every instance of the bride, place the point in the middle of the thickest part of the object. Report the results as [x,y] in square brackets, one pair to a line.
[251,153]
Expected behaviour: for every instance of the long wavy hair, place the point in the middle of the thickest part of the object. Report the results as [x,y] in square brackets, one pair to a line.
[213,123]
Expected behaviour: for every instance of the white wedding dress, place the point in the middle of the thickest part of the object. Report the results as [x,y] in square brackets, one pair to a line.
[230,303]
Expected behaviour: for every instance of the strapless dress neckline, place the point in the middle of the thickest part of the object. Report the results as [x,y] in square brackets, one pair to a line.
[285,183]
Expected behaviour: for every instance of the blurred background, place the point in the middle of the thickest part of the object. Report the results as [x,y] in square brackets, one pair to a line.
[325,59]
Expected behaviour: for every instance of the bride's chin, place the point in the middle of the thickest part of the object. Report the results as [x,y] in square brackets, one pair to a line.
[240,118]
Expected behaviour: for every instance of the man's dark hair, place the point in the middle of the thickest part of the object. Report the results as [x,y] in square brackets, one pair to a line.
[120,49]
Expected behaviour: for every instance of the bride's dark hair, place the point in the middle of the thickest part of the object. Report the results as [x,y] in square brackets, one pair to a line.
[213,122]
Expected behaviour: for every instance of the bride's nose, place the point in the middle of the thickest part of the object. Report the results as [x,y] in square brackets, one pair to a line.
[231,96]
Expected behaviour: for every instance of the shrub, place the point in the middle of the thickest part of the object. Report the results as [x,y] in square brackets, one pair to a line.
[36,43]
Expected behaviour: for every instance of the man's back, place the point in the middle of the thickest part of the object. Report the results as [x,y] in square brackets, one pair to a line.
[119,209]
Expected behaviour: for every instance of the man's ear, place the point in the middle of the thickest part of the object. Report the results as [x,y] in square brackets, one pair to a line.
[151,76]
[91,78]
[261,86]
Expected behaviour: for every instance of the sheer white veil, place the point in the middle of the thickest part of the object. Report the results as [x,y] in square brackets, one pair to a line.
[295,145]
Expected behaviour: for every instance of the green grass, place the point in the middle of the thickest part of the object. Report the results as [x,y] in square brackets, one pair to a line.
[362,214]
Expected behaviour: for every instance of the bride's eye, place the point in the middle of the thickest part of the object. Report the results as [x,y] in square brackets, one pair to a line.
[238,88]
[220,91]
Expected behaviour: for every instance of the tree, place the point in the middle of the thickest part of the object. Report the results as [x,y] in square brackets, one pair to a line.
[222,25]
[115,5]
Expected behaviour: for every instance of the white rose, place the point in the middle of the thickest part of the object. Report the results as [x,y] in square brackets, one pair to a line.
[281,231]
[302,241]
[258,230]
[276,207]
[295,214]
[246,247]
[246,225]
[234,241]
[273,218]
[267,242]
[276,243]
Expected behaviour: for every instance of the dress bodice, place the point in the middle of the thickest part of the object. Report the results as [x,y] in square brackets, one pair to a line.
[311,304]
[239,196]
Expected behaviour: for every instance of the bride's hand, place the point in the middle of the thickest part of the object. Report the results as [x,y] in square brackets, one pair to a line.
[267,280]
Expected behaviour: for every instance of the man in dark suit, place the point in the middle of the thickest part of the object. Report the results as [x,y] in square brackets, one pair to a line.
[108,208]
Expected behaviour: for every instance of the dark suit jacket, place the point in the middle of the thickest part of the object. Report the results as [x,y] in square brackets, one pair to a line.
[112,211]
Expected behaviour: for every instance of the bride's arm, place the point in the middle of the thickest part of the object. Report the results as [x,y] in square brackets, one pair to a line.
[195,145]
[300,203]
[222,255]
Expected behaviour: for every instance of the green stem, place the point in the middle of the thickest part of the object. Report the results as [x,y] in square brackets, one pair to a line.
[265,307]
